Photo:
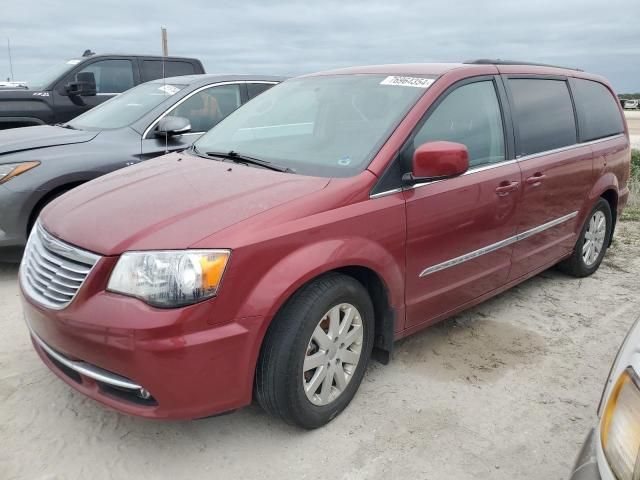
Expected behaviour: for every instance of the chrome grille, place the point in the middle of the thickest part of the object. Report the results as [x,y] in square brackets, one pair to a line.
[52,271]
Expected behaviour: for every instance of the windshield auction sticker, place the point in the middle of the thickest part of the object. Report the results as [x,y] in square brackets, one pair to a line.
[169,89]
[408,81]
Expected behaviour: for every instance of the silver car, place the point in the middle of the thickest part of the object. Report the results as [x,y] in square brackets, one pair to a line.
[612,448]
[38,164]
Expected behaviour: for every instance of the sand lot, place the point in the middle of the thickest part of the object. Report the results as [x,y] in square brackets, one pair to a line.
[633,121]
[506,390]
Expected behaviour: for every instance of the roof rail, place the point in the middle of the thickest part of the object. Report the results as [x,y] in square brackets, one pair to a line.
[498,61]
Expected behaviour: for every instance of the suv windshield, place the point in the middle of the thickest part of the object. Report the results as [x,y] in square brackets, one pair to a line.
[126,108]
[329,126]
[44,79]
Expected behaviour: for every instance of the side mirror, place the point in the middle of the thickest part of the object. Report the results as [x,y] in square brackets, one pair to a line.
[172,126]
[437,161]
[84,86]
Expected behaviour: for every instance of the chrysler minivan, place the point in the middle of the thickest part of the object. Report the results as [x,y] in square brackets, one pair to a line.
[310,229]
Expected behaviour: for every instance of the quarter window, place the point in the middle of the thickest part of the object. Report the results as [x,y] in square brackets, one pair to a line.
[543,115]
[598,112]
[255,89]
[112,76]
[207,107]
[152,69]
[469,115]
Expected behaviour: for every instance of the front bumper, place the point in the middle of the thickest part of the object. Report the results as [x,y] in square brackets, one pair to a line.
[189,367]
[15,209]
[586,466]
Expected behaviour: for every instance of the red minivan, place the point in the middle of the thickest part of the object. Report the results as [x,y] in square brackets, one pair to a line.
[330,216]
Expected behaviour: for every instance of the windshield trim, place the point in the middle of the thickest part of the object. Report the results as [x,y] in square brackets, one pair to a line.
[197,90]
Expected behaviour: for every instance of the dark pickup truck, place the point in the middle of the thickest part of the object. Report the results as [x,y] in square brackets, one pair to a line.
[66,90]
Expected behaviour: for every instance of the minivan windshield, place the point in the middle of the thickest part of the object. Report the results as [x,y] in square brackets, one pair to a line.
[126,108]
[329,126]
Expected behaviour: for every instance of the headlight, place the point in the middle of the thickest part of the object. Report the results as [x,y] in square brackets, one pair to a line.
[10,170]
[620,427]
[169,278]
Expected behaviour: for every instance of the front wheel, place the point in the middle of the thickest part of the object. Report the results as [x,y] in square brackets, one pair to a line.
[316,351]
[592,243]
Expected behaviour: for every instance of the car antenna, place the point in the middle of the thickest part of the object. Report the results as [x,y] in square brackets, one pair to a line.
[165,52]
[10,61]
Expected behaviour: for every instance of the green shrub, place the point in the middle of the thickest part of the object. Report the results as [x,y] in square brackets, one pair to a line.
[635,164]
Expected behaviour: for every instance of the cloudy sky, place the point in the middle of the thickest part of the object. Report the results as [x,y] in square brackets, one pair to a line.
[294,37]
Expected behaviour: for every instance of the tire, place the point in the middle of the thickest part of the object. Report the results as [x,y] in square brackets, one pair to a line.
[281,383]
[576,265]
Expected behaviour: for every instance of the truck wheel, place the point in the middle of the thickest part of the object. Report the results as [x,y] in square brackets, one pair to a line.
[592,243]
[316,351]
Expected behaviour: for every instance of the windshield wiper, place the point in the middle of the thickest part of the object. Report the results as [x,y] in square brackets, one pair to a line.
[237,158]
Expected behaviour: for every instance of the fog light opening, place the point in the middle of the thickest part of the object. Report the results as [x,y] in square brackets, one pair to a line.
[144,394]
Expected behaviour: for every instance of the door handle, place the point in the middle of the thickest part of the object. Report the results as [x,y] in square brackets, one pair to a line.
[536,179]
[506,188]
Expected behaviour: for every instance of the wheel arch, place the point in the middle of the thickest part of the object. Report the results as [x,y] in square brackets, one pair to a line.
[606,187]
[611,196]
[47,197]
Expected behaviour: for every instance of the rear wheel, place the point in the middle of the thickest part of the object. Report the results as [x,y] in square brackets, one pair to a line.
[316,351]
[592,243]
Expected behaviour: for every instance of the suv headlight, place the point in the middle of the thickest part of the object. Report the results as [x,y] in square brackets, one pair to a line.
[620,427]
[10,170]
[171,278]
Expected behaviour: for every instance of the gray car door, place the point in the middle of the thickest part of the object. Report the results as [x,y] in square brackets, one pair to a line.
[204,108]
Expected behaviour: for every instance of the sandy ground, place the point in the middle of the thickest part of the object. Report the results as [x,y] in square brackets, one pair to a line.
[633,121]
[506,390]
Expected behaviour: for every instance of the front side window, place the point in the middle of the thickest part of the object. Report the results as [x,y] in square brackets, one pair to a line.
[469,115]
[207,107]
[125,109]
[543,114]
[598,112]
[112,76]
[329,126]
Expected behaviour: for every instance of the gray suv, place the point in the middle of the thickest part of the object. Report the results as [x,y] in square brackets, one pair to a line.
[37,164]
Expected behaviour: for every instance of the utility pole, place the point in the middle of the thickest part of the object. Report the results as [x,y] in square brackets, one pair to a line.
[10,62]
[165,47]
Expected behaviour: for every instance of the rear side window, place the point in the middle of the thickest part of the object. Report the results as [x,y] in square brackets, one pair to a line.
[543,115]
[598,113]
[152,69]
[255,89]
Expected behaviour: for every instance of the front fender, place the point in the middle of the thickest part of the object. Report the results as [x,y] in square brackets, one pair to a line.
[300,266]
[285,277]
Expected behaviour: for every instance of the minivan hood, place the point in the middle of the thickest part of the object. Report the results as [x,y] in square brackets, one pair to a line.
[170,202]
[41,136]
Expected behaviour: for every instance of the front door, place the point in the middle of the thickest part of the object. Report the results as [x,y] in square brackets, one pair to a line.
[460,231]
[112,77]
[204,108]
[557,172]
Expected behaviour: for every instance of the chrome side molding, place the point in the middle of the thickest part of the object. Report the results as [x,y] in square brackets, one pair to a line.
[496,246]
